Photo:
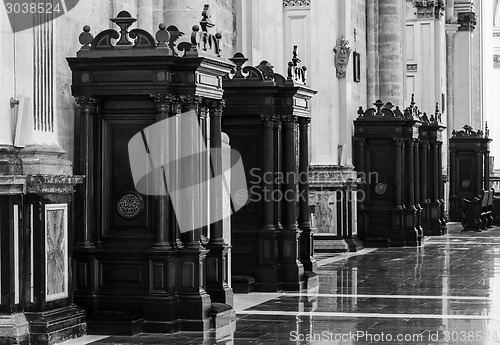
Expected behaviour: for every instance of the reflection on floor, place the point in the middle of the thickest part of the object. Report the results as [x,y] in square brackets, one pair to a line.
[446,292]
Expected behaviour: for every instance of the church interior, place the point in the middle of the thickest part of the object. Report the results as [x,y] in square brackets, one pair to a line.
[249,172]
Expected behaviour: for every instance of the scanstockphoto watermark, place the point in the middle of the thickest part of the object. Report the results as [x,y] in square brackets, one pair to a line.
[170,158]
[259,181]
[27,14]
[364,336]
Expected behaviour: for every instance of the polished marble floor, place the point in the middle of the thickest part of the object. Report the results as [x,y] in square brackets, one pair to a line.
[446,292]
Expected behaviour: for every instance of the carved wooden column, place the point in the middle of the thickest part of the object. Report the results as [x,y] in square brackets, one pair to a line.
[176,108]
[434,214]
[292,268]
[217,257]
[397,235]
[205,171]
[88,111]
[193,298]
[306,239]
[278,165]
[424,185]
[411,212]
[398,172]
[268,165]
[442,215]
[267,271]
[164,215]
[416,158]
[486,179]
[410,200]
[189,139]
[454,202]
[362,187]
[162,299]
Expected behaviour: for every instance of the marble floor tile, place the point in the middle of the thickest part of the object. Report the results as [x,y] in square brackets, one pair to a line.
[446,292]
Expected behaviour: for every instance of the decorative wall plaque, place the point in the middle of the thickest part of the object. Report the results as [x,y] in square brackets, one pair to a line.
[342,53]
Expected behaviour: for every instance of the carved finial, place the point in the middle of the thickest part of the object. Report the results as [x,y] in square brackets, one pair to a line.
[124,20]
[424,118]
[360,112]
[203,40]
[86,37]
[379,105]
[486,130]
[295,58]
[296,73]
[412,104]
[238,59]
[437,117]
[162,36]
[397,112]
[206,21]
[174,35]
[267,70]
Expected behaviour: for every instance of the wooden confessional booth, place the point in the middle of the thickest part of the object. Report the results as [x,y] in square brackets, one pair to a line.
[388,212]
[469,167]
[267,119]
[134,269]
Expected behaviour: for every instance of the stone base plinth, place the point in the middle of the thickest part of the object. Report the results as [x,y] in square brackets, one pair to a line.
[327,244]
[14,329]
[57,325]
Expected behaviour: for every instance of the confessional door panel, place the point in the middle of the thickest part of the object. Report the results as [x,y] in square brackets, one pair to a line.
[249,144]
[381,181]
[127,216]
[466,177]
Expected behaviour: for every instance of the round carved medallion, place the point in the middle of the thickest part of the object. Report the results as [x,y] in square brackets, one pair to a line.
[130,205]
[466,183]
[380,188]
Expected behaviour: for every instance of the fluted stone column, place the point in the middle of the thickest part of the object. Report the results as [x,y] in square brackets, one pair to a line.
[391,50]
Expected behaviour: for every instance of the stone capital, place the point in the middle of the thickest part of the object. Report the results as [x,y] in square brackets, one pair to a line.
[430,9]
[467,21]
